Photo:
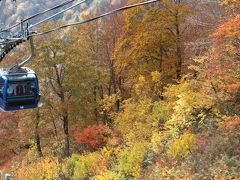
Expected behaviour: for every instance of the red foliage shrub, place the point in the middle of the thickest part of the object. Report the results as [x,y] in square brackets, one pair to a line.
[162,163]
[94,136]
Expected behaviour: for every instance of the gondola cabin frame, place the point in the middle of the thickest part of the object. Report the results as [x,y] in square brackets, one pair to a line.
[19,90]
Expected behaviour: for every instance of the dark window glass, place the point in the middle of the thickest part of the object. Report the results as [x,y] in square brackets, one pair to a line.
[1,90]
[21,88]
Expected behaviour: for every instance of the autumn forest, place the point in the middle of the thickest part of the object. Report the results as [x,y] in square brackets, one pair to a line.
[149,93]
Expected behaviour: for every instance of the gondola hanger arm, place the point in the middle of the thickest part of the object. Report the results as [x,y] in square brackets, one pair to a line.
[17,67]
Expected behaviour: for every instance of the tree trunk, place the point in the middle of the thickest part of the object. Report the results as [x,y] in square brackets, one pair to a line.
[179,63]
[55,128]
[37,136]
[179,52]
[66,132]
[38,142]
[95,100]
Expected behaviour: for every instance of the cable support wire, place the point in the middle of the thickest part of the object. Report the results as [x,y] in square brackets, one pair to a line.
[38,14]
[57,13]
[13,42]
[94,18]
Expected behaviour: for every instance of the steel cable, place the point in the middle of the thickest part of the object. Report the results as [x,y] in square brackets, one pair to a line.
[38,14]
[58,13]
[94,18]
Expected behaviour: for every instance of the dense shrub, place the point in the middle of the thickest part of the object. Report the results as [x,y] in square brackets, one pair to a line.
[131,160]
[48,168]
[83,166]
[183,146]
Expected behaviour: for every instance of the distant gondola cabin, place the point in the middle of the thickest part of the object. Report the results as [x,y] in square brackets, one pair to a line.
[19,90]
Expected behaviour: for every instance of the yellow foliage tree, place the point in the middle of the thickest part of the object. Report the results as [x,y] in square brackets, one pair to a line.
[183,146]
[48,168]
[152,41]
[107,175]
[190,106]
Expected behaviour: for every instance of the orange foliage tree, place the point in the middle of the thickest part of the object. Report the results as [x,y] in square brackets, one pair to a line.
[224,66]
[95,136]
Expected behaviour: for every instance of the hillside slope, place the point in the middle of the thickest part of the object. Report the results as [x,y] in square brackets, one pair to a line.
[20,9]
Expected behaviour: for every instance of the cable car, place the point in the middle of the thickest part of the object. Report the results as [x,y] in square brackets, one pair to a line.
[19,90]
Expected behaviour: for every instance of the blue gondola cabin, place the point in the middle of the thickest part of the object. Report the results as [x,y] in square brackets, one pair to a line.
[19,90]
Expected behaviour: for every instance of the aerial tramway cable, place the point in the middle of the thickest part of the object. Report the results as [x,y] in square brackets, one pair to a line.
[38,14]
[95,18]
[9,43]
[58,13]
